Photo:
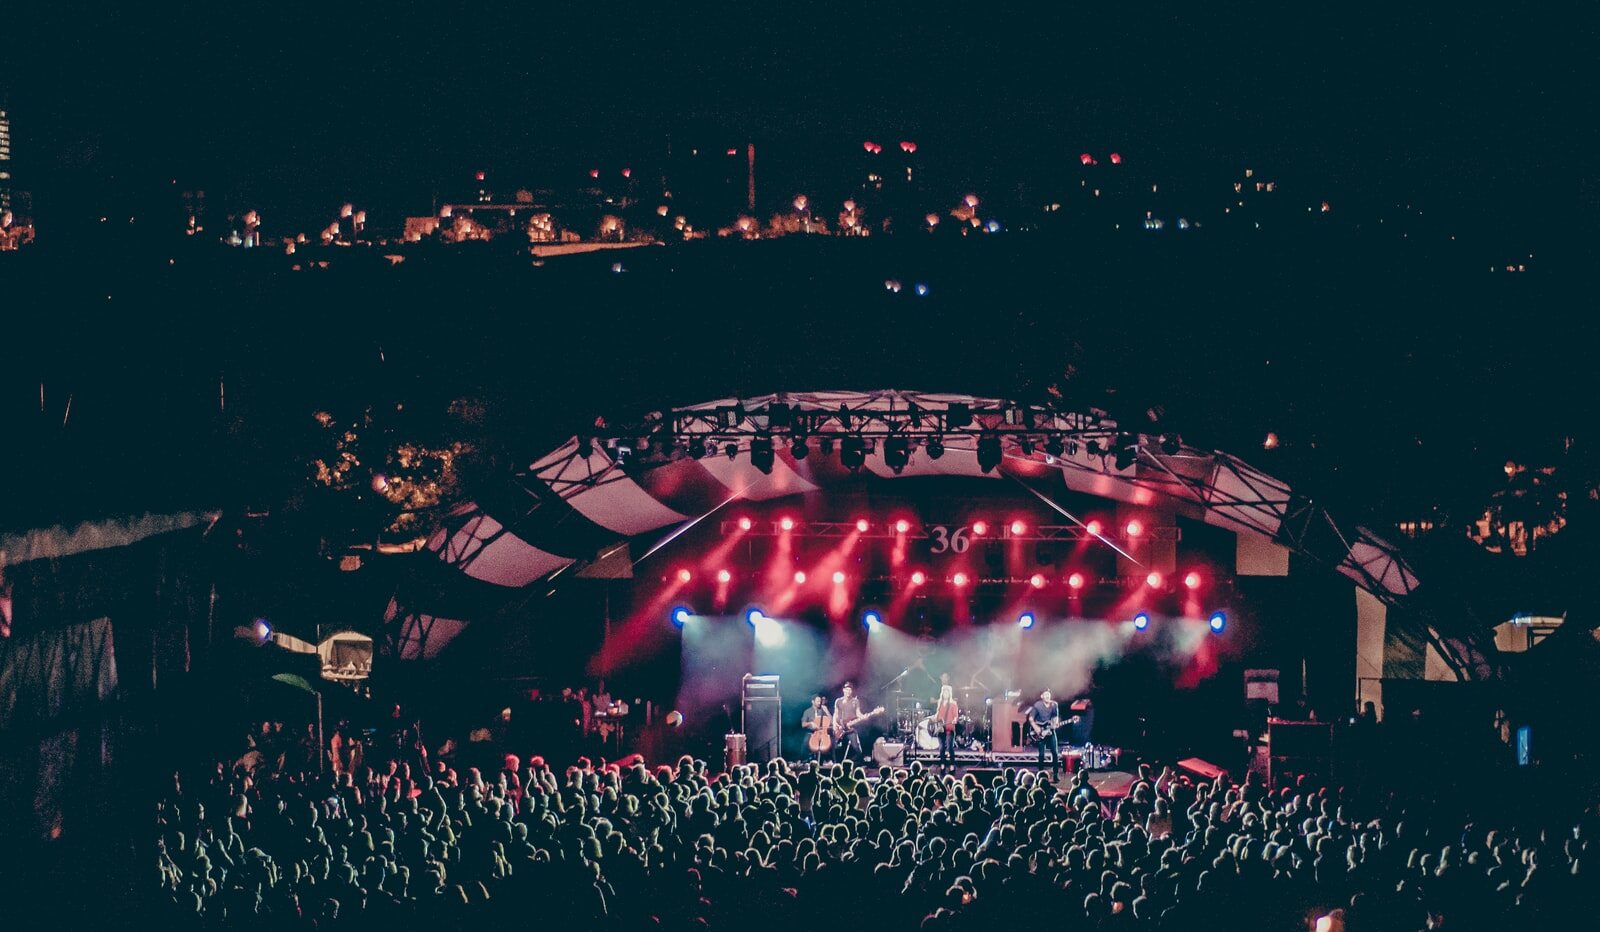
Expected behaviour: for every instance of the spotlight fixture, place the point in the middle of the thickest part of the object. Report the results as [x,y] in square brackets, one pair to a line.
[1141,621]
[1126,455]
[862,525]
[960,580]
[838,577]
[1075,581]
[262,630]
[853,453]
[1036,580]
[980,528]
[918,578]
[1134,528]
[684,576]
[826,445]
[1053,446]
[935,448]
[1154,580]
[870,619]
[798,448]
[957,415]
[697,448]
[731,450]
[1018,529]
[1094,527]
[723,576]
[786,523]
[778,414]
[1171,445]
[745,523]
[1025,443]
[755,616]
[1192,580]
[902,526]
[896,453]
[799,577]
[1025,620]
[761,454]
[988,452]
[1219,620]
[680,616]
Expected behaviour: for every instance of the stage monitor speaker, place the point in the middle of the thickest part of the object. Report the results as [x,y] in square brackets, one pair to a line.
[888,754]
[1201,769]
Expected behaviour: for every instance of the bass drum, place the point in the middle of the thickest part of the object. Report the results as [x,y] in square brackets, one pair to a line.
[928,734]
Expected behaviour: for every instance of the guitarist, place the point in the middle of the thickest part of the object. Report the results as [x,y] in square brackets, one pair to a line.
[846,709]
[818,724]
[1043,718]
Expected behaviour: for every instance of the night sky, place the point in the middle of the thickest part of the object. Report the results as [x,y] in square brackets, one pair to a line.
[292,106]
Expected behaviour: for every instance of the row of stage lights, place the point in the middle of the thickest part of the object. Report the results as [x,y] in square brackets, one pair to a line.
[1192,580]
[871,619]
[1133,530]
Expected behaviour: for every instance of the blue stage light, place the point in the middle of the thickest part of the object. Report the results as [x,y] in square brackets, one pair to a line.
[681,616]
[1141,621]
[871,619]
[1025,620]
[1219,620]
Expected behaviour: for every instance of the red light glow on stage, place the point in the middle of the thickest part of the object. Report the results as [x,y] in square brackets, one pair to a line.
[902,526]
[1095,528]
[1192,580]
[1154,580]
[1075,581]
[1018,529]
[1135,528]
[1036,580]
[918,578]
[980,528]
[960,579]
[724,576]
[684,576]
[838,577]
[744,523]
[786,523]
[862,525]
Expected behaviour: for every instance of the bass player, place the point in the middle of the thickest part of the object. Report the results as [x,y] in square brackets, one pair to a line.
[1044,717]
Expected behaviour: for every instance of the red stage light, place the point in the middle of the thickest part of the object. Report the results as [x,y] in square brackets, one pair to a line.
[902,526]
[1192,580]
[1135,528]
[744,524]
[787,524]
[1036,580]
[1153,580]
[862,525]
[1095,528]
[918,578]
[838,577]
[1018,529]
[800,577]
[684,576]
[980,528]
[960,579]
[724,576]
[1075,580]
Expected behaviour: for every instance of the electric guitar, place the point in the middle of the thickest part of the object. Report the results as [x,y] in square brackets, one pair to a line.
[847,727]
[1040,731]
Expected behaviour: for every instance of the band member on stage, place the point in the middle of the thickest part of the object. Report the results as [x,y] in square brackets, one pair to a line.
[846,709]
[815,717]
[1042,715]
[946,713]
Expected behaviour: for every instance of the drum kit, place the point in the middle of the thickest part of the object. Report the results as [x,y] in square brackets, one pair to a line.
[916,725]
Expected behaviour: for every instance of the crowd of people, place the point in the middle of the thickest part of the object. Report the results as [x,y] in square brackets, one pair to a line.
[268,841]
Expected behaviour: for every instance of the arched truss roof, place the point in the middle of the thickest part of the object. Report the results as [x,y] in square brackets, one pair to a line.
[593,492]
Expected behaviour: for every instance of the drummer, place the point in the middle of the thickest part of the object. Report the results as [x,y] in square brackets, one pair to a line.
[945,715]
